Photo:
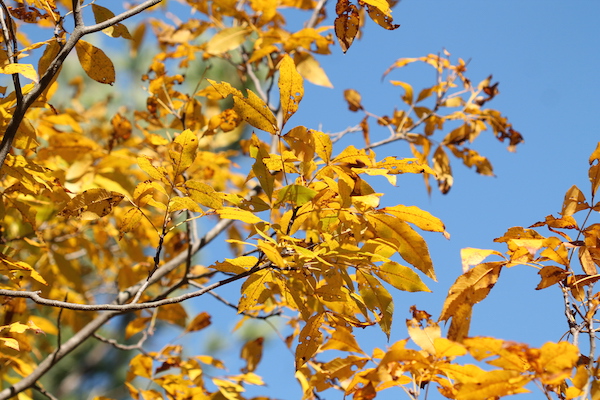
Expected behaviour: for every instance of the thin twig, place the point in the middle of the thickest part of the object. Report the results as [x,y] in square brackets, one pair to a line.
[124,347]
[44,392]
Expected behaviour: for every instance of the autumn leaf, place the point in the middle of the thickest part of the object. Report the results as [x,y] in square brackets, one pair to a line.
[227,39]
[102,14]
[95,63]
[347,25]
[183,151]
[251,109]
[91,204]
[309,339]
[291,88]
[27,70]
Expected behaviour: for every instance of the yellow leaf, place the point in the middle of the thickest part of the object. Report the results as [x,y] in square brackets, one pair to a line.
[594,175]
[323,145]
[91,204]
[204,194]
[551,275]
[102,14]
[183,151]
[183,203]
[291,87]
[10,342]
[255,111]
[27,70]
[447,348]
[595,155]
[256,290]
[471,256]
[272,253]
[26,136]
[424,337]
[252,108]
[411,245]
[130,221]
[309,339]
[238,214]
[471,287]
[236,265]
[136,326]
[141,365]
[377,299]
[310,70]
[382,16]
[416,216]
[408,95]
[145,164]
[556,362]
[226,40]
[95,63]
[401,277]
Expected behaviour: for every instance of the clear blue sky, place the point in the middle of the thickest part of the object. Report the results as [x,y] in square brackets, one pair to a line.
[545,54]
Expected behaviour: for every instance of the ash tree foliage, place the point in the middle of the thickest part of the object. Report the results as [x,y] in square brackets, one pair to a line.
[104,209]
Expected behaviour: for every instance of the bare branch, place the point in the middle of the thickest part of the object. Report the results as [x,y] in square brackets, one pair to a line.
[125,347]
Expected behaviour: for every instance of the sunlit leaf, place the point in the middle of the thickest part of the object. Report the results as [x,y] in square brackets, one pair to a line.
[91,204]
[95,63]
[309,339]
[291,87]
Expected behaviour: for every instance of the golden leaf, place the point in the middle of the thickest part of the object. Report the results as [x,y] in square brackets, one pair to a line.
[204,194]
[310,69]
[239,214]
[401,277]
[145,164]
[226,40]
[376,298]
[102,14]
[291,87]
[200,321]
[424,337]
[236,265]
[470,288]
[141,365]
[410,245]
[471,256]
[416,216]
[130,221]
[309,340]
[183,203]
[27,70]
[95,63]
[91,204]
[252,353]
[408,91]
[183,152]
[353,98]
